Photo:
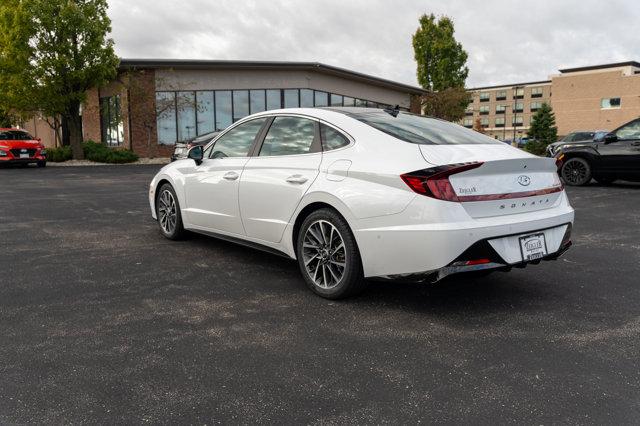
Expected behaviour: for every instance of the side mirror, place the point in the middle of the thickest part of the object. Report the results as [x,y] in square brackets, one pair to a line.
[610,137]
[196,154]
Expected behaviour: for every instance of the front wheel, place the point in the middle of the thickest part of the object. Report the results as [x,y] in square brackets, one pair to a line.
[576,172]
[328,256]
[168,211]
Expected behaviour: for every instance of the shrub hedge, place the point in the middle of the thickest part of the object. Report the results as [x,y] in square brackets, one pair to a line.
[93,151]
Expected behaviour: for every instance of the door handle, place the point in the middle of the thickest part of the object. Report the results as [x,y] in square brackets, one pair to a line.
[297,179]
[231,176]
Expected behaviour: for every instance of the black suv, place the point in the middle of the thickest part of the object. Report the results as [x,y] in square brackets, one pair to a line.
[616,156]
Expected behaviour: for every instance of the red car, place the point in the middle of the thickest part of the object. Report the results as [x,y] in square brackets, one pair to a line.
[19,147]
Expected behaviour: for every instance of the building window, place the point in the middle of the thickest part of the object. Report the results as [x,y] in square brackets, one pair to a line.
[186,115]
[535,106]
[485,96]
[501,95]
[306,98]
[204,112]
[166,117]
[517,120]
[274,99]
[240,104]
[501,109]
[610,103]
[223,109]
[349,101]
[291,99]
[484,121]
[536,92]
[257,101]
[468,110]
[336,100]
[499,121]
[484,109]
[321,99]
[361,103]
[518,107]
[468,122]
[111,124]
[518,93]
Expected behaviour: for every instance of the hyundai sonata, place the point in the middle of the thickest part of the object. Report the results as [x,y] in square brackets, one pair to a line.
[354,193]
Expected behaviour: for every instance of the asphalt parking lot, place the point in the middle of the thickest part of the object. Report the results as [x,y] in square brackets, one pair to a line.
[103,320]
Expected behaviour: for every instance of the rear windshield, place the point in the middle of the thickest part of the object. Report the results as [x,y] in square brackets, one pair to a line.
[14,135]
[422,130]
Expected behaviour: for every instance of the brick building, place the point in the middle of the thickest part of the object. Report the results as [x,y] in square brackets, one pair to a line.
[155,103]
[597,97]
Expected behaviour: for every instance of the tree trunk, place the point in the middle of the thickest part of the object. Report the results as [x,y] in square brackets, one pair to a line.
[75,132]
[64,125]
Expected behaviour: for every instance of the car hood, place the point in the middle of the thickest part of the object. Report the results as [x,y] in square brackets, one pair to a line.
[9,144]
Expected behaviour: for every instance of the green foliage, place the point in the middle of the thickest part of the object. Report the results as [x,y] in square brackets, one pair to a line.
[448,104]
[101,153]
[93,151]
[6,119]
[51,53]
[543,130]
[58,155]
[441,59]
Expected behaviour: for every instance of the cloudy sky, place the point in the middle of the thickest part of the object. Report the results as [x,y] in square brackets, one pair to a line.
[508,41]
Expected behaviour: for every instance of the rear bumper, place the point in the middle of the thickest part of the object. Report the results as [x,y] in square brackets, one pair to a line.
[416,247]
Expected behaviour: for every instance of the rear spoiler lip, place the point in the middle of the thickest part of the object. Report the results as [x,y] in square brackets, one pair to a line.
[510,195]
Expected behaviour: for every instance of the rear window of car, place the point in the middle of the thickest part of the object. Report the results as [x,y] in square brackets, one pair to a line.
[422,130]
[15,135]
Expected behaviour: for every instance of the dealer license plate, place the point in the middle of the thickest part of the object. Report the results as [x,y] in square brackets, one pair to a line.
[24,155]
[533,246]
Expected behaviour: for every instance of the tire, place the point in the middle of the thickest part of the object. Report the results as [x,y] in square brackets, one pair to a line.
[42,164]
[168,211]
[324,243]
[576,171]
[605,180]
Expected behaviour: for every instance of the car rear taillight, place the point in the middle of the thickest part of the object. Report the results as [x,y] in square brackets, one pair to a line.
[434,182]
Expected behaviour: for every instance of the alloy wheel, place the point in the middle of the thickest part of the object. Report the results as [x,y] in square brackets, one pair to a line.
[324,254]
[167,211]
[575,172]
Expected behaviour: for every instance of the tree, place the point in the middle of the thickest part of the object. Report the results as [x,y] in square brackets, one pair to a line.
[543,130]
[477,126]
[441,59]
[6,119]
[51,53]
[442,69]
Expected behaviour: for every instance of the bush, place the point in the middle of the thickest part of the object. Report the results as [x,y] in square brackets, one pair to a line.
[58,155]
[536,147]
[100,153]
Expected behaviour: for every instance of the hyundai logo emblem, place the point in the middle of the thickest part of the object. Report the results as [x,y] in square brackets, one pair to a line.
[524,180]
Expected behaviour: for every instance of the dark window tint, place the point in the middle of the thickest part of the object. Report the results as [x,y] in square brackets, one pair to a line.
[237,141]
[331,138]
[288,136]
[422,130]
[15,135]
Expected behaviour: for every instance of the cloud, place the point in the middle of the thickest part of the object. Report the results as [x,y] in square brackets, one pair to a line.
[507,41]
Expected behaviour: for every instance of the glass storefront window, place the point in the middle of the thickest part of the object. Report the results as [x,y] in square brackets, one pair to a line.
[240,104]
[257,101]
[111,124]
[321,99]
[273,99]
[291,98]
[186,104]
[204,112]
[223,109]
[336,100]
[166,117]
[349,101]
[306,98]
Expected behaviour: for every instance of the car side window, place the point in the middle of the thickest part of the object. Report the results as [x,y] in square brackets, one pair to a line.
[629,131]
[238,141]
[331,138]
[288,136]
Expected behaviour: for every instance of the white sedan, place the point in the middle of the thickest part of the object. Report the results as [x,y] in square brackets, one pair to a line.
[355,193]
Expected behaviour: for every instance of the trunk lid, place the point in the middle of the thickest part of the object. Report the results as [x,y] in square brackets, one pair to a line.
[509,181]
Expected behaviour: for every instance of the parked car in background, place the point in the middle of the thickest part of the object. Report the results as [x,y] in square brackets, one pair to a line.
[614,156]
[181,149]
[19,147]
[352,193]
[575,137]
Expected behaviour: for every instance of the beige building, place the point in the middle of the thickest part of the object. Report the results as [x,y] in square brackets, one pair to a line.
[505,111]
[597,97]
